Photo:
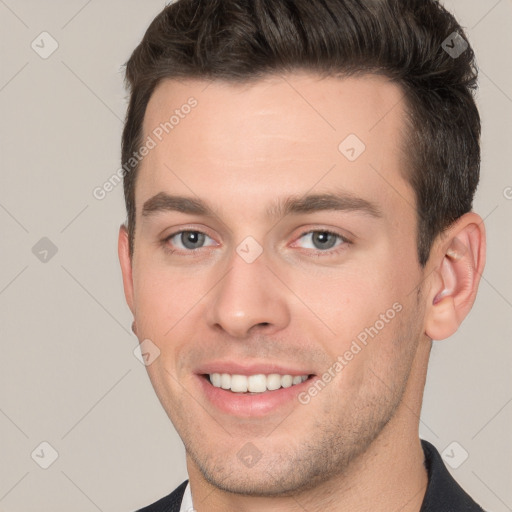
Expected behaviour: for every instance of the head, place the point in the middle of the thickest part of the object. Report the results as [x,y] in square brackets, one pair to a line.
[322,163]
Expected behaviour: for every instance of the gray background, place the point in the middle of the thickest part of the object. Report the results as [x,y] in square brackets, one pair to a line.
[68,375]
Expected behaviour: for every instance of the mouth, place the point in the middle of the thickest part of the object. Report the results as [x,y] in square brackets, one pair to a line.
[254,384]
[254,395]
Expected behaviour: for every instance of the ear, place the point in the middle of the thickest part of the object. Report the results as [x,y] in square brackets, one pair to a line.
[123,250]
[459,260]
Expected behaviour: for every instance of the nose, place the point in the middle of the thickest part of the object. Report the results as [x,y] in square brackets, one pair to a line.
[248,298]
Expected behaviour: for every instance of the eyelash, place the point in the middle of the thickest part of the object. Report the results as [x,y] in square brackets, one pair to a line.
[317,253]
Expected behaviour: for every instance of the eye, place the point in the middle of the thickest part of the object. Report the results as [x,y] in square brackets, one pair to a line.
[322,240]
[188,240]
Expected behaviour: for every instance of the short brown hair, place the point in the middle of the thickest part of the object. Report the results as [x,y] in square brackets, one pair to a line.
[407,41]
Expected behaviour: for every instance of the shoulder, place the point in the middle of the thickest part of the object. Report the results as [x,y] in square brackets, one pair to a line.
[443,492]
[170,503]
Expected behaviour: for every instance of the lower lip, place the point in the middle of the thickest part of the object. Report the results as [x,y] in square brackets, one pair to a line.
[249,406]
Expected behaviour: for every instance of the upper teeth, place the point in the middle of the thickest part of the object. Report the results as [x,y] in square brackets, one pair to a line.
[254,383]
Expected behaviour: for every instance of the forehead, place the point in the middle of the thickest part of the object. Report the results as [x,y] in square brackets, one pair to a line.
[282,134]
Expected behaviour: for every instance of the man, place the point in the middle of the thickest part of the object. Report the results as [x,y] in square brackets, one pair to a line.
[299,183]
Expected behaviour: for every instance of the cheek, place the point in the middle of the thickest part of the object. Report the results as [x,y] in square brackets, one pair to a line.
[162,298]
[364,308]
[348,301]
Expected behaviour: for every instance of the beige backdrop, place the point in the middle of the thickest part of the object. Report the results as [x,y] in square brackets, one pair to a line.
[68,375]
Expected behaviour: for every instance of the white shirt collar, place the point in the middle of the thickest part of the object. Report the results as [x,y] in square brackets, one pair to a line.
[186,502]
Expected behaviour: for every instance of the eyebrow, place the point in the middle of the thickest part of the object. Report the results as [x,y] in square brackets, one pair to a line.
[163,202]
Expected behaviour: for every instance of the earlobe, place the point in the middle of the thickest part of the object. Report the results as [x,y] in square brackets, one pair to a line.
[459,264]
[123,249]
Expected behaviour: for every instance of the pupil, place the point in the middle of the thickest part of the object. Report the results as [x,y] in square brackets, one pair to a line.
[323,238]
[192,239]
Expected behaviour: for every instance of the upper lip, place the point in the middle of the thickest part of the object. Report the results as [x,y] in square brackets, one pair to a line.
[253,368]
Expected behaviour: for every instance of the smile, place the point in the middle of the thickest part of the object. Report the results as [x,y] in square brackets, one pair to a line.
[253,395]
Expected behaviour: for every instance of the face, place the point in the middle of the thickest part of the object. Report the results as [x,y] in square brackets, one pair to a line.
[276,236]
